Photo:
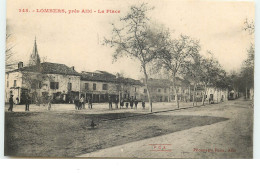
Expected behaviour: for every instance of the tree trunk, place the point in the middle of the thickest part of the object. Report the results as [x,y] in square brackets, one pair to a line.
[175,93]
[189,94]
[196,99]
[119,98]
[203,96]
[147,88]
[246,92]
[217,95]
[193,97]
[169,95]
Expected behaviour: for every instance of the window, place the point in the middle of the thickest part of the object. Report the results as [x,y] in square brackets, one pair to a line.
[14,83]
[158,90]
[35,84]
[94,86]
[54,85]
[145,90]
[104,86]
[7,84]
[86,86]
[40,85]
[135,89]
[69,86]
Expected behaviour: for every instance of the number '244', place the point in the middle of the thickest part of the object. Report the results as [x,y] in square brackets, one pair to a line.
[23,10]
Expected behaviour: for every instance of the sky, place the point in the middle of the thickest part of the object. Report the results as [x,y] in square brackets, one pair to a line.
[76,39]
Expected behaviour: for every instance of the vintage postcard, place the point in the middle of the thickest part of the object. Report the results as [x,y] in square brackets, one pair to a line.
[129,79]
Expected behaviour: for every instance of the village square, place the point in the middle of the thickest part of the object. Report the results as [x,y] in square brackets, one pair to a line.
[185,105]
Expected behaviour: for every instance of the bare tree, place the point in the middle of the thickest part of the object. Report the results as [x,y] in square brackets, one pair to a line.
[174,54]
[193,73]
[9,52]
[247,70]
[249,26]
[135,39]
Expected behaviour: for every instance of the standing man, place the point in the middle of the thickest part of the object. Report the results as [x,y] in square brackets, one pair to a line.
[109,102]
[131,103]
[143,104]
[81,102]
[121,103]
[136,103]
[84,102]
[89,102]
[116,102]
[49,103]
[11,103]
[76,102]
[27,103]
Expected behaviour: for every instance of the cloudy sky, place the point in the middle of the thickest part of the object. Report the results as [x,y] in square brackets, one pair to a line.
[75,39]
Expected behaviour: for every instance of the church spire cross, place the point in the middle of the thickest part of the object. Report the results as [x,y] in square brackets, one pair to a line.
[35,58]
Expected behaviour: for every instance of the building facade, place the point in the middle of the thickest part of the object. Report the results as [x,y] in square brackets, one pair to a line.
[63,84]
[101,85]
[57,81]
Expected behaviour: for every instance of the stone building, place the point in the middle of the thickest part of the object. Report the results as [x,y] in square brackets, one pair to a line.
[62,84]
[58,81]
[42,80]
[161,90]
[100,85]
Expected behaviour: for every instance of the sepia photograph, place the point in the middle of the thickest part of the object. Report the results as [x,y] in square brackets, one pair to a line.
[129,79]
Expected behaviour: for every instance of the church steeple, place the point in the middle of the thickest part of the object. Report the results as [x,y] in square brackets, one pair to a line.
[34,58]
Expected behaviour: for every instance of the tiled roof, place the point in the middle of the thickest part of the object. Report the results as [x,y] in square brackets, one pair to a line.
[160,83]
[129,81]
[102,76]
[164,83]
[49,68]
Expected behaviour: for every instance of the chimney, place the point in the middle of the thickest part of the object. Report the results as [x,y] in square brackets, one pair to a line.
[73,68]
[20,65]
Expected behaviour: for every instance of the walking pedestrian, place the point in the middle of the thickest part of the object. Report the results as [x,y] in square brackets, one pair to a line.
[11,103]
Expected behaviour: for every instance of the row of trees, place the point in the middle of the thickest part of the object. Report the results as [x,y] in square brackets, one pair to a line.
[243,80]
[155,48]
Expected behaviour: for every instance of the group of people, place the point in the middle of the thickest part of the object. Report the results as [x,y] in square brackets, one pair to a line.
[27,101]
[132,102]
[80,103]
